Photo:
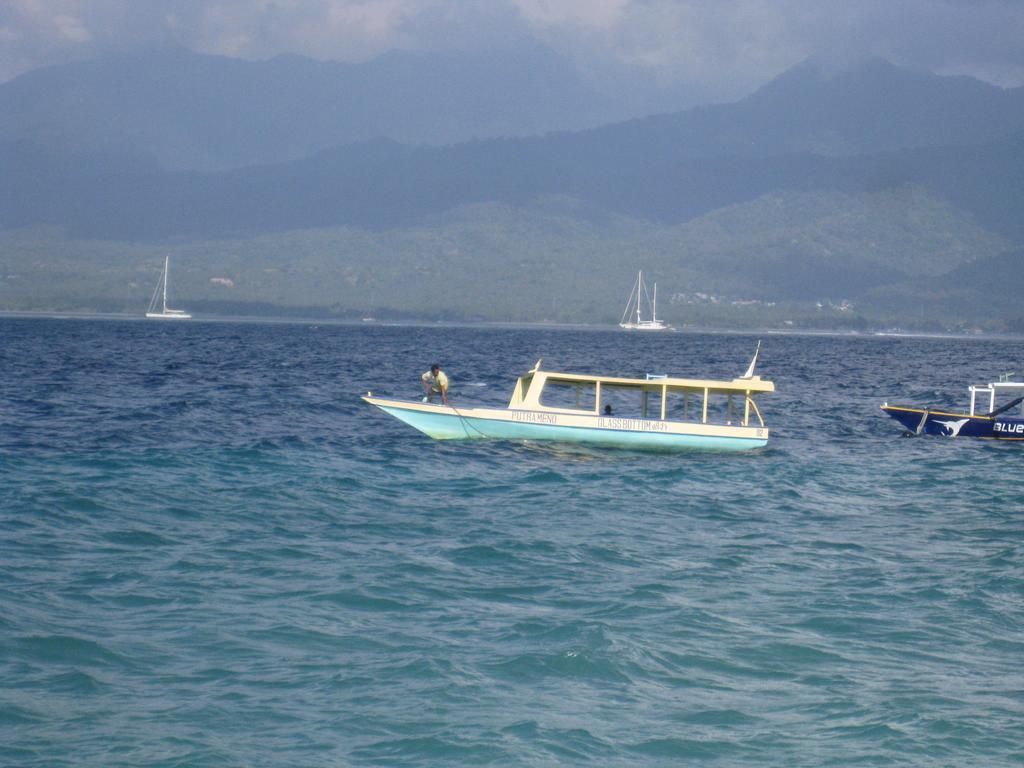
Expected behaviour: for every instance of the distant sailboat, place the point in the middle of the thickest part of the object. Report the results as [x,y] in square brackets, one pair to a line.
[632,317]
[164,313]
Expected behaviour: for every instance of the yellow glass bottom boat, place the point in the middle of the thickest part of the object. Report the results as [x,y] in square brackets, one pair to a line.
[656,413]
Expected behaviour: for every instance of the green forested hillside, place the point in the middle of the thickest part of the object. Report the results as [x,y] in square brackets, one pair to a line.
[556,259]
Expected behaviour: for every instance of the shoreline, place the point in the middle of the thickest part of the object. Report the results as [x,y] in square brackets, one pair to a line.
[503,324]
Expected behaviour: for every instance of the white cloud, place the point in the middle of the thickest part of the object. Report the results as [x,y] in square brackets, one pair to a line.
[725,46]
[70,28]
[601,14]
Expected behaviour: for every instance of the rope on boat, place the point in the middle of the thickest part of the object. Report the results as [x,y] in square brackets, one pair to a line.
[466,425]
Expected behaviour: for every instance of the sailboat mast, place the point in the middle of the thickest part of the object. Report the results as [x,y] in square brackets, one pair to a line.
[639,289]
[654,305]
[167,263]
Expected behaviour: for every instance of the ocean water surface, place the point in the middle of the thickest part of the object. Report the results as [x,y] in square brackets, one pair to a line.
[212,553]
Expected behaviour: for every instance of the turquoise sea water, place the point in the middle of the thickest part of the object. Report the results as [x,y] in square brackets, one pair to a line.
[213,554]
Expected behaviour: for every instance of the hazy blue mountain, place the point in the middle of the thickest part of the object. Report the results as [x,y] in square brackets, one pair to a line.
[875,106]
[869,108]
[199,112]
[383,185]
[193,111]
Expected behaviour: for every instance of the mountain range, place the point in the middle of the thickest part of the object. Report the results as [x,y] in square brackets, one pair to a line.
[870,162]
[200,112]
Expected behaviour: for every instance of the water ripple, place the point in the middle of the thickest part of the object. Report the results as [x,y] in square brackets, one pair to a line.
[211,553]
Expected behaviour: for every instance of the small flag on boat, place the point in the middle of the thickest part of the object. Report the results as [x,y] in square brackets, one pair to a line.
[750,369]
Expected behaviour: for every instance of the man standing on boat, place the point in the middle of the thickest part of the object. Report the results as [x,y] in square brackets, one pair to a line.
[435,383]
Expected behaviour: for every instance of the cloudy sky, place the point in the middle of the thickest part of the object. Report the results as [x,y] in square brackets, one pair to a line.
[720,47]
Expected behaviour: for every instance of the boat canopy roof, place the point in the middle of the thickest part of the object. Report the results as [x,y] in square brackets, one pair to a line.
[752,384]
[1000,385]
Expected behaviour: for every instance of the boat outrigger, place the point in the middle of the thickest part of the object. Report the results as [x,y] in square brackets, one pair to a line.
[995,423]
[657,413]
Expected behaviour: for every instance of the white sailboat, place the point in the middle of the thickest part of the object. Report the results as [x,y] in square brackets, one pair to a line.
[632,317]
[164,313]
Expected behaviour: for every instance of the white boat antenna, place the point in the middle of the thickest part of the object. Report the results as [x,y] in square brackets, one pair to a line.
[750,368]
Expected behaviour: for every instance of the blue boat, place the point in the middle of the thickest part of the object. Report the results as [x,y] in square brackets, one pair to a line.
[1004,422]
[656,413]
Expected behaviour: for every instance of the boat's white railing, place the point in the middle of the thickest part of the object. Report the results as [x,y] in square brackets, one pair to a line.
[975,390]
[992,389]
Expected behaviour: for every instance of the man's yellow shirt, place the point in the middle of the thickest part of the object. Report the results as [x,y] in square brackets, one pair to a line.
[437,383]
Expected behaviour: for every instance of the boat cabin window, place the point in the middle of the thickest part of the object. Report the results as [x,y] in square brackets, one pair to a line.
[631,402]
[719,410]
[689,406]
[575,395]
[682,405]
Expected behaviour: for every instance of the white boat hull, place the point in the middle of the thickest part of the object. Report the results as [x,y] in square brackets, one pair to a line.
[168,316]
[658,326]
[448,423]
